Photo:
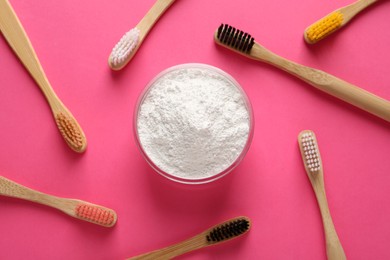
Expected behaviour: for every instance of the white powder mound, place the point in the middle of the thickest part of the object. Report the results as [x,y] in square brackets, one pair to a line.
[193,122]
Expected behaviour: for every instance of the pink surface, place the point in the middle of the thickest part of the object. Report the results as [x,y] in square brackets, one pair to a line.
[73,40]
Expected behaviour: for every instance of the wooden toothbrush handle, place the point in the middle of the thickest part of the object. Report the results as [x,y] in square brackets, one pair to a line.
[354,8]
[351,10]
[172,251]
[329,84]
[151,17]
[17,38]
[334,249]
[12,189]
[348,93]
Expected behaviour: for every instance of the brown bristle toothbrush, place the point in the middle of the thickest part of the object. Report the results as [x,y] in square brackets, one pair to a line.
[76,208]
[130,42]
[17,38]
[245,44]
[334,21]
[215,235]
[314,169]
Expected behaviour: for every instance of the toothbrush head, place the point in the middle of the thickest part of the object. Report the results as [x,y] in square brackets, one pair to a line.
[322,28]
[234,39]
[310,152]
[71,132]
[96,214]
[124,49]
[228,230]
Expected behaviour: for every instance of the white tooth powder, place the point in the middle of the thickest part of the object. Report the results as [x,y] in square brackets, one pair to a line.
[193,122]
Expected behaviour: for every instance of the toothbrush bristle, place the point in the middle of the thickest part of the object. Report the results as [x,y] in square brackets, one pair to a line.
[228,230]
[310,152]
[324,27]
[101,216]
[70,132]
[124,48]
[234,38]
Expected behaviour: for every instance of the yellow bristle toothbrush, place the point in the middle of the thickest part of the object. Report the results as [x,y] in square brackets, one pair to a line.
[17,38]
[334,21]
[314,169]
[245,44]
[76,208]
[215,235]
[130,42]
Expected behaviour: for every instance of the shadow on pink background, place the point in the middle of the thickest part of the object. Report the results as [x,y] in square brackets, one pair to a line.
[73,40]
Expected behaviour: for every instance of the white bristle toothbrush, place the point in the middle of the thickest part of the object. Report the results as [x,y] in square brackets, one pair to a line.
[314,169]
[76,208]
[334,21]
[128,45]
[17,38]
[215,235]
[244,44]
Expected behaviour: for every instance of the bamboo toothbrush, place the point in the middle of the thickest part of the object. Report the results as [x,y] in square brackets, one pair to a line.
[314,169]
[223,232]
[334,21]
[76,208]
[128,45]
[17,38]
[245,44]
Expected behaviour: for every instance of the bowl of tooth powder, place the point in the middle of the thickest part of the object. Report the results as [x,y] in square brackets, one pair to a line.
[193,123]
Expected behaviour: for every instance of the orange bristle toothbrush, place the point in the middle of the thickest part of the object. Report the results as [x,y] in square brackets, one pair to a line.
[17,38]
[312,160]
[246,45]
[215,235]
[76,208]
[334,21]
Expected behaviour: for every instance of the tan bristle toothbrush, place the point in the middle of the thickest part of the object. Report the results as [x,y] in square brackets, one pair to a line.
[245,44]
[17,38]
[76,208]
[130,42]
[215,235]
[314,169]
[334,21]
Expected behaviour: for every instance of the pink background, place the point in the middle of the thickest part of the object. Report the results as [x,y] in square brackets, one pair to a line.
[73,40]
